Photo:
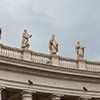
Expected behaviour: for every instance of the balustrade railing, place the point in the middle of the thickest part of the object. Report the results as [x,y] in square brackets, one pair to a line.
[41,58]
[92,66]
[8,51]
[67,62]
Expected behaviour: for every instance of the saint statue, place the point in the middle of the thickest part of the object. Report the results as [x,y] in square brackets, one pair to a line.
[53,45]
[0,32]
[25,40]
[79,50]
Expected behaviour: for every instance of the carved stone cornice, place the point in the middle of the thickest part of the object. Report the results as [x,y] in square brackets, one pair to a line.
[27,67]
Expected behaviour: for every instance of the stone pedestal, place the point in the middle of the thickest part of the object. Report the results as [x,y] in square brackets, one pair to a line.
[26,55]
[81,64]
[54,60]
[27,95]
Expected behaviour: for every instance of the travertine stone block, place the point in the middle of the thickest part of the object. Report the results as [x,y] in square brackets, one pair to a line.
[26,55]
[81,64]
[54,60]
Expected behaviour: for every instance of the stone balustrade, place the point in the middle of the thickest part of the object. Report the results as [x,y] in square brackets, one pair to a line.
[92,66]
[67,62]
[40,58]
[54,60]
[10,52]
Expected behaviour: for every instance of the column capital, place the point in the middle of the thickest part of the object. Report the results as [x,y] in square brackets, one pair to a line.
[1,88]
[56,96]
[28,92]
[84,98]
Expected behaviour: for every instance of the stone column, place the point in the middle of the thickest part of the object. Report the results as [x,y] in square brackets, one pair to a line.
[0,94]
[27,95]
[55,97]
[81,64]
[1,88]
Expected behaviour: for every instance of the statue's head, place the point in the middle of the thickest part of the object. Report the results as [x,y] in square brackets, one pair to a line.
[78,42]
[53,36]
[25,30]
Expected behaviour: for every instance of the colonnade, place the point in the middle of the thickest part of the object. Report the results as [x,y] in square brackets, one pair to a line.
[28,95]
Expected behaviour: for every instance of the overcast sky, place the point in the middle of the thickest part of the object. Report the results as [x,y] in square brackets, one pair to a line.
[69,20]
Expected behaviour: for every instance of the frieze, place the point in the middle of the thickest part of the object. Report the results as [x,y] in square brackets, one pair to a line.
[48,71]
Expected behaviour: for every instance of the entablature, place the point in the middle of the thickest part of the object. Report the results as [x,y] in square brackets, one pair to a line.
[21,66]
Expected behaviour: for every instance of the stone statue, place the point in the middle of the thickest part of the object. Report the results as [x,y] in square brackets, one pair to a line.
[53,45]
[79,50]
[0,32]
[25,40]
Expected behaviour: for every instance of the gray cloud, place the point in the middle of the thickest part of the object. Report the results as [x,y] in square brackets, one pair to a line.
[69,20]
